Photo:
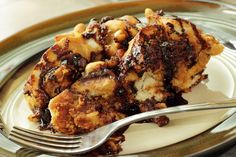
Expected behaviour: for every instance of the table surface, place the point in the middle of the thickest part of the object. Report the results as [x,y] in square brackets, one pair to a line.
[16,15]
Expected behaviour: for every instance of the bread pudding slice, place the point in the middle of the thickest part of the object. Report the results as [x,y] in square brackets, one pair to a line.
[157,66]
[63,63]
[170,54]
[116,68]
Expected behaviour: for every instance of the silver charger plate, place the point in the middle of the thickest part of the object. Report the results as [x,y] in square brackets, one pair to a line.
[220,68]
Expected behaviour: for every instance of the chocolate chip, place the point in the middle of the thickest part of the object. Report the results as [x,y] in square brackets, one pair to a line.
[45,117]
[161,121]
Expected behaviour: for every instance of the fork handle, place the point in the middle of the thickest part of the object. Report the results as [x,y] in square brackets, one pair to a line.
[171,110]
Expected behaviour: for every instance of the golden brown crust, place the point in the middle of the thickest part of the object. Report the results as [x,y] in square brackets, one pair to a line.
[62,64]
[73,112]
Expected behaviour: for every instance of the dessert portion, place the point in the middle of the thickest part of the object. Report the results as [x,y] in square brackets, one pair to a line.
[63,63]
[170,54]
[147,68]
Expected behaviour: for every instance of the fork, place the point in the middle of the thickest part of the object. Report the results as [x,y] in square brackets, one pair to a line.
[60,144]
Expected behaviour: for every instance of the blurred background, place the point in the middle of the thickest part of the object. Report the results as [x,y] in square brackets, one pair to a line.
[16,15]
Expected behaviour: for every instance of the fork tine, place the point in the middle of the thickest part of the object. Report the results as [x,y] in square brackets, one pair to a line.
[47,135]
[43,147]
[45,143]
[29,134]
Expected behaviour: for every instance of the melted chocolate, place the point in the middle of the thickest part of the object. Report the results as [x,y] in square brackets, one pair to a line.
[88,35]
[148,105]
[176,100]
[120,92]
[171,26]
[74,61]
[102,72]
[191,60]
[150,51]
[97,31]
[199,37]
[161,121]
[45,119]
[61,51]
[130,109]
[106,18]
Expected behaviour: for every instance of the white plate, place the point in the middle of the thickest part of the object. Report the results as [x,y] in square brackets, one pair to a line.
[144,137]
